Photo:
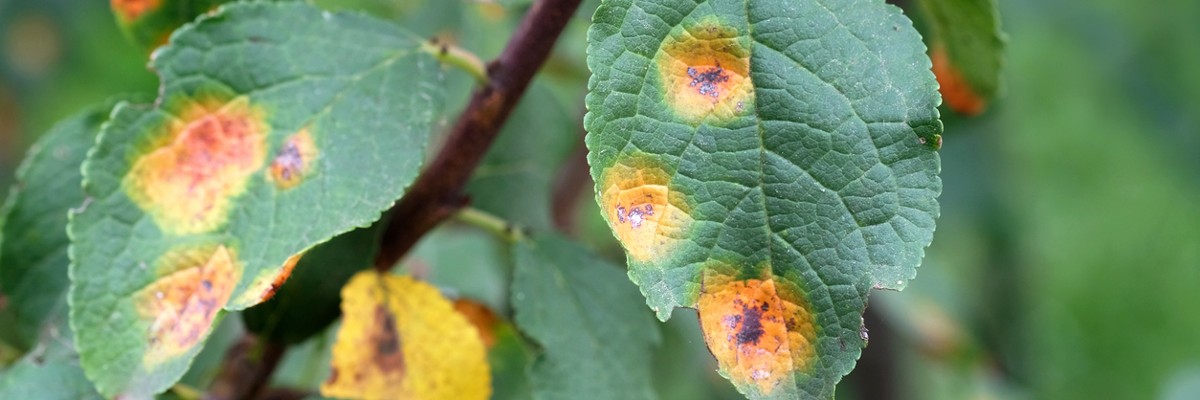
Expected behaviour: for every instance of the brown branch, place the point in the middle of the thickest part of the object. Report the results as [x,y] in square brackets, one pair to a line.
[438,192]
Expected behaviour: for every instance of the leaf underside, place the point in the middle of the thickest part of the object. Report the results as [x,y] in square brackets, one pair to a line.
[278,127]
[767,163]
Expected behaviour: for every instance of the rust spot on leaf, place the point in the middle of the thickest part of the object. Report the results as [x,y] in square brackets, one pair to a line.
[956,91]
[205,157]
[129,10]
[266,284]
[294,160]
[194,284]
[646,216]
[705,72]
[761,332]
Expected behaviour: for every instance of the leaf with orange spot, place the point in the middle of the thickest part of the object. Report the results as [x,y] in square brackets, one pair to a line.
[400,339]
[595,336]
[967,48]
[148,23]
[767,163]
[266,140]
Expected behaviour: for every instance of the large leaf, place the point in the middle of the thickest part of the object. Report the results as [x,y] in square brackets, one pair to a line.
[33,250]
[968,51]
[278,126]
[767,162]
[596,338]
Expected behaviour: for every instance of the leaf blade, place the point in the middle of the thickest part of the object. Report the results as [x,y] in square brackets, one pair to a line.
[265,142]
[761,157]
[596,338]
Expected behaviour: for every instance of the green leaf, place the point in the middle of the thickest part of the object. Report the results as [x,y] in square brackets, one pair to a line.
[148,23]
[595,336]
[309,302]
[768,163]
[33,252]
[278,127]
[968,50]
[46,379]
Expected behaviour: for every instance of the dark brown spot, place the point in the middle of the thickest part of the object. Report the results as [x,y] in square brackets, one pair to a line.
[706,81]
[752,328]
[388,354]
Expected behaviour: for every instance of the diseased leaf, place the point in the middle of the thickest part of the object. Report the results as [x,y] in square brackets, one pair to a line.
[967,51]
[596,338]
[768,163]
[308,303]
[272,134]
[400,339]
[33,234]
[150,22]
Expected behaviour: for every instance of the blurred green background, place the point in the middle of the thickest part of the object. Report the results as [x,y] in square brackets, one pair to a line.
[1066,264]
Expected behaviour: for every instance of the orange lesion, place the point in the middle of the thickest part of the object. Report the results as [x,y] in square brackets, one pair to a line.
[294,160]
[956,91]
[201,160]
[129,10]
[705,72]
[266,284]
[195,283]
[645,214]
[760,330]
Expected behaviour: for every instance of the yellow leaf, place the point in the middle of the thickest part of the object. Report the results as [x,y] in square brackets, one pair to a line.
[401,339]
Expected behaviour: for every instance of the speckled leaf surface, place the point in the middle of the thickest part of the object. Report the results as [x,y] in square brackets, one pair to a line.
[766,162]
[967,50]
[33,233]
[595,337]
[278,127]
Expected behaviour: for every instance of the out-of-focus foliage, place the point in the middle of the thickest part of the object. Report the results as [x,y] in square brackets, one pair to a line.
[1066,257]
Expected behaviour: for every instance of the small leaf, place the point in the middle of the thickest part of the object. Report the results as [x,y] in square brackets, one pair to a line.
[271,135]
[150,22]
[309,302]
[33,252]
[401,339]
[967,51]
[508,356]
[768,163]
[596,337]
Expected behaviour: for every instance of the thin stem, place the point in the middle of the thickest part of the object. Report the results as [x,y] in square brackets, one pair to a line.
[491,223]
[438,192]
[457,57]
